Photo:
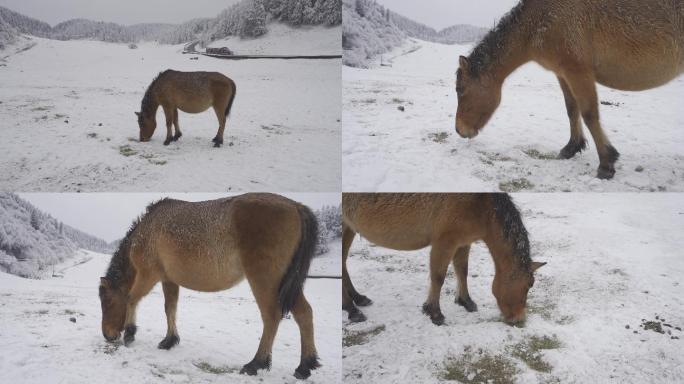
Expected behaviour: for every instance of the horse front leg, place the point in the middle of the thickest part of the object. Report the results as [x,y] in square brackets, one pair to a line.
[583,86]
[168,113]
[170,305]
[141,287]
[440,257]
[577,141]
[460,262]
[349,294]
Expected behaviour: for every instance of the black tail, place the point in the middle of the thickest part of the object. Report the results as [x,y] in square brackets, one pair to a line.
[293,281]
[232,97]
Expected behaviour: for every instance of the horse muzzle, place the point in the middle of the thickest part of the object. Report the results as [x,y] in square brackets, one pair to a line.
[465,133]
[109,338]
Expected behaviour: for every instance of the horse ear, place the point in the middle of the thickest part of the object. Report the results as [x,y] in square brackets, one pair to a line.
[104,281]
[536,265]
[463,63]
[137,114]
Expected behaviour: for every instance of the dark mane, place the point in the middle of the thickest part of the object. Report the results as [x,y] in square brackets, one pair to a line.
[486,51]
[120,264]
[147,102]
[508,216]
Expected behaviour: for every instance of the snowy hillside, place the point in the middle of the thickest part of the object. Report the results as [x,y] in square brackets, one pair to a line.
[25,24]
[366,32]
[32,242]
[387,149]
[73,128]
[254,18]
[607,308]
[51,332]
[369,30]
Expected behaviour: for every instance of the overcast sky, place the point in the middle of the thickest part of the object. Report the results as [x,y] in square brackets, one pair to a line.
[108,215]
[440,14]
[118,11]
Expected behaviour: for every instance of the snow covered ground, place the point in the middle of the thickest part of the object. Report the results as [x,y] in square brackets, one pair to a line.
[66,109]
[219,332]
[385,149]
[615,268]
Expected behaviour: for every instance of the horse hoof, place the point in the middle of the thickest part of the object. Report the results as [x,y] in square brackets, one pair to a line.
[177,136]
[437,319]
[304,370]
[571,149]
[129,334]
[217,145]
[169,342]
[254,366]
[468,304]
[436,316]
[357,317]
[167,141]
[362,301]
[605,173]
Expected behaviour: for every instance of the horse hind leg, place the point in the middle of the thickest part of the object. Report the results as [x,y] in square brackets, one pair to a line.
[577,141]
[221,116]
[349,293]
[460,262]
[304,317]
[266,297]
[177,135]
[440,256]
[170,305]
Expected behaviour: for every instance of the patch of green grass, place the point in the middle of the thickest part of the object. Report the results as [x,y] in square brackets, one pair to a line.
[515,185]
[480,368]
[92,135]
[42,108]
[439,137]
[216,370]
[157,162]
[127,151]
[529,351]
[533,153]
[360,337]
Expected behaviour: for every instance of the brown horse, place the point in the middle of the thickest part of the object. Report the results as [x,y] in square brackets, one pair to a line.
[191,92]
[629,45]
[449,222]
[211,246]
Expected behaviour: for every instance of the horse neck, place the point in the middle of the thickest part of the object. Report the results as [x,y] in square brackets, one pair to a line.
[513,51]
[150,103]
[503,251]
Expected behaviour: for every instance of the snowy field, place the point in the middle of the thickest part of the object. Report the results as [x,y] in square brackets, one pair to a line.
[614,280]
[385,149]
[67,121]
[219,332]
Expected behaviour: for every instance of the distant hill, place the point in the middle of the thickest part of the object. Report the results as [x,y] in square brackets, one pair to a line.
[246,18]
[251,18]
[31,241]
[25,24]
[370,29]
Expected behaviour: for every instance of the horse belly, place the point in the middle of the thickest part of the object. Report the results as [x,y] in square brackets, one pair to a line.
[206,271]
[631,60]
[635,77]
[394,238]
